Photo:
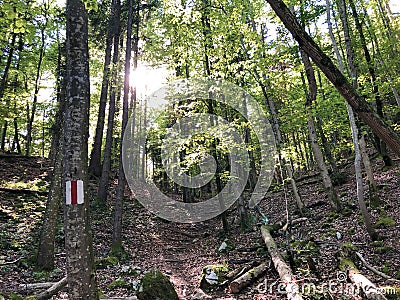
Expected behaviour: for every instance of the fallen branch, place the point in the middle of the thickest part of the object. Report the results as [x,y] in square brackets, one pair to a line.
[36,286]
[247,278]
[294,222]
[50,292]
[372,269]
[11,262]
[284,271]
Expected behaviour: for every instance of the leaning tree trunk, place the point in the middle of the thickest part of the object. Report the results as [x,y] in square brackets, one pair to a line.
[358,103]
[78,235]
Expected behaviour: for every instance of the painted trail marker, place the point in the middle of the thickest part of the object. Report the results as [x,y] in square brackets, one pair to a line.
[74,192]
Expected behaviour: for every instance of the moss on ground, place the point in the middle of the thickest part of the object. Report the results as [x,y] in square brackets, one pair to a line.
[156,286]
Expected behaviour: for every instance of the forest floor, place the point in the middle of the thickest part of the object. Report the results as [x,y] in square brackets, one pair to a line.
[181,251]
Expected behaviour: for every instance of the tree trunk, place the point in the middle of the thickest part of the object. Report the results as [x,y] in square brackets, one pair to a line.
[284,271]
[247,278]
[95,156]
[358,103]
[4,136]
[117,225]
[311,97]
[354,129]
[45,256]
[16,144]
[381,146]
[78,235]
[4,78]
[372,188]
[276,128]
[31,117]
[206,27]
[325,143]
[105,174]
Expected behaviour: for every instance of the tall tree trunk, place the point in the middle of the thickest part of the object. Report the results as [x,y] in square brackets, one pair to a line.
[45,256]
[117,226]
[4,136]
[144,162]
[105,174]
[31,117]
[60,94]
[311,97]
[358,103]
[16,144]
[278,136]
[325,143]
[78,235]
[3,82]
[277,132]
[354,128]
[381,146]
[206,27]
[95,156]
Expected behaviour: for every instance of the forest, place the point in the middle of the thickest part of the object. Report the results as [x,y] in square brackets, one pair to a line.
[199,149]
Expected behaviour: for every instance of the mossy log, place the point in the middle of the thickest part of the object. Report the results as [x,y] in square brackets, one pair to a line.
[284,271]
[247,278]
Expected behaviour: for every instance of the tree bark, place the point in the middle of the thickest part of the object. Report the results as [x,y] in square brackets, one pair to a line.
[104,180]
[95,156]
[247,278]
[45,256]
[117,225]
[78,235]
[358,103]
[284,271]
[381,146]
[354,129]
[311,97]
[31,117]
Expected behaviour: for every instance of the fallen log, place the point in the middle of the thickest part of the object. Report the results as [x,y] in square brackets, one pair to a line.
[247,278]
[50,292]
[284,271]
[36,286]
[368,288]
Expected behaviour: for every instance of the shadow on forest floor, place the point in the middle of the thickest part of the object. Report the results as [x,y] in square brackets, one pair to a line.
[182,250]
